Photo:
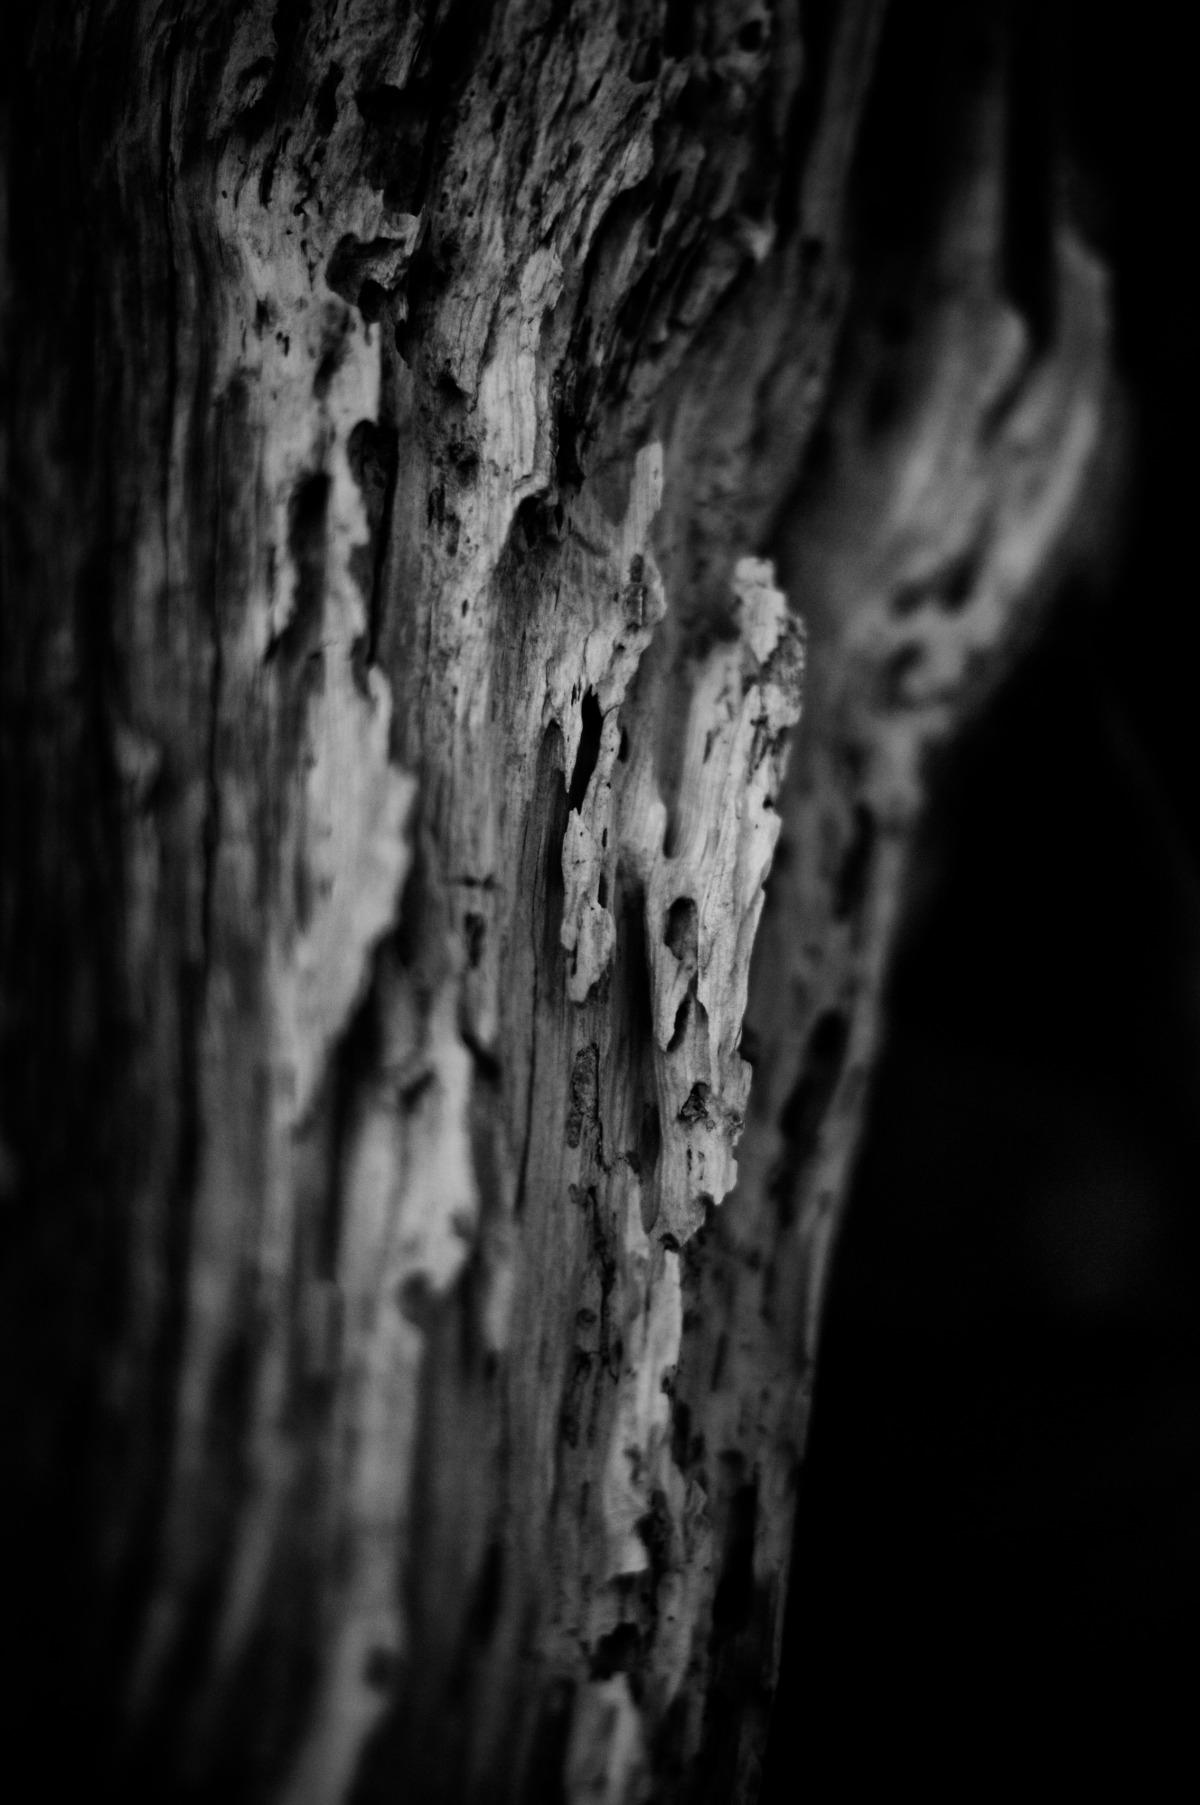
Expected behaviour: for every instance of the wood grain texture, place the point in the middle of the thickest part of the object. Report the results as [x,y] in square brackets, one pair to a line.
[425,432]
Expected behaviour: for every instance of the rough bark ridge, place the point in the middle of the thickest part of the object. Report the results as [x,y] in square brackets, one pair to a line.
[414,420]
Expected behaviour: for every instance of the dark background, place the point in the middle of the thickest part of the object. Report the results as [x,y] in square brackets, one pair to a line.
[997,1569]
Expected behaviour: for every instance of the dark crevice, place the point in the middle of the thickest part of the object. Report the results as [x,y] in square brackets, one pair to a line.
[584,1106]
[616,1652]
[266,181]
[679,1026]
[649,1147]
[395,124]
[631,967]
[489,1592]
[695,1106]
[326,109]
[591,726]
[646,63]
[541,878]
[587,359]
[541,521]
[632,1093]
[308,507]
[372,453]
[355,1059]
[451,59]
[681,931]
[551,824]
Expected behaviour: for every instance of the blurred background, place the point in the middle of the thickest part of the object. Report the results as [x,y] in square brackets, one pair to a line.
[997,1573]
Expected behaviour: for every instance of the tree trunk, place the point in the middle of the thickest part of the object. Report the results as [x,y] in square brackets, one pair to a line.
[425,434]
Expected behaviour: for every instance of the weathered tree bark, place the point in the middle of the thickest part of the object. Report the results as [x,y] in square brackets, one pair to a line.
[425,433]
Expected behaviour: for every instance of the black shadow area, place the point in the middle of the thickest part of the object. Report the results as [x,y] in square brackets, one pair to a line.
[996,1581]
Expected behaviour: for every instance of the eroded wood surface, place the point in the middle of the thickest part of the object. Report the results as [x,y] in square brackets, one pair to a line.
[446,452]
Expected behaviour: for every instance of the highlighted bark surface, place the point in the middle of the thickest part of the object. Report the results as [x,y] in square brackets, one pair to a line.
[452,816]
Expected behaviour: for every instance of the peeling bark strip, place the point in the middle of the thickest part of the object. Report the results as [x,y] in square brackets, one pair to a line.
[425,430]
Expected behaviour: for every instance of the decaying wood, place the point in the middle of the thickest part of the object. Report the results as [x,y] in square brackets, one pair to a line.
[426,432]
